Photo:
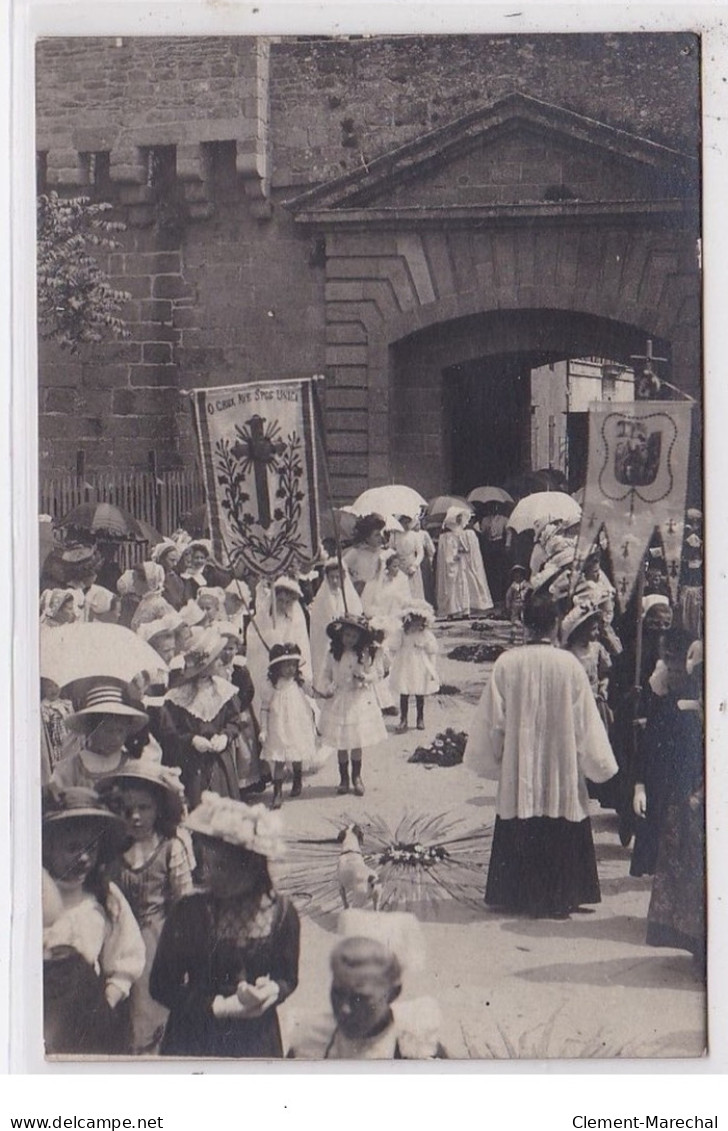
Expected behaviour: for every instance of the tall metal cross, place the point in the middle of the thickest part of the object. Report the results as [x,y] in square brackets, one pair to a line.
[646,383]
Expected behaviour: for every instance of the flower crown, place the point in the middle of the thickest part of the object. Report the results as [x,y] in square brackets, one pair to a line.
[252,827]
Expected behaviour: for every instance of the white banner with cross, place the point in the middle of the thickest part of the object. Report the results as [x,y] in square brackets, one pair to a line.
[258,458]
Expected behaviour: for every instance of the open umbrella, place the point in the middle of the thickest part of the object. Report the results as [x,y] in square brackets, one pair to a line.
[438,507]
[111,521]
[547,505]
[80,651]
[489,495]
[394,499]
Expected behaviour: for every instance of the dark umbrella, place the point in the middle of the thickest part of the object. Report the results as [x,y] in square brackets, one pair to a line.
[110,521]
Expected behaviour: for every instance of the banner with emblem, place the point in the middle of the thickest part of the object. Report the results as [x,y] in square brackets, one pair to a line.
[636,483]
[258,458]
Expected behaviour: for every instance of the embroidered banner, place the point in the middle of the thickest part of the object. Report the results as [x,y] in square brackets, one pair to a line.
[636,483]
[258,456]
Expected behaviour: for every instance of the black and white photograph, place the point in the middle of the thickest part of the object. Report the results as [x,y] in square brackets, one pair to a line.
[371,520]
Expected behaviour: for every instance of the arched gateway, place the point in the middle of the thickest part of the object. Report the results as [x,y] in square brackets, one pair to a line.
[517,236]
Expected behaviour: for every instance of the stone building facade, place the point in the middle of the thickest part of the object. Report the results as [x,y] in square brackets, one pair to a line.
[420,219]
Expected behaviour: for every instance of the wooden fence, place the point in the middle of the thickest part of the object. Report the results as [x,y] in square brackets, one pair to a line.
[162,500]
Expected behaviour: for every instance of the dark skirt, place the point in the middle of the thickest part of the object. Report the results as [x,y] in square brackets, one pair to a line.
[76,1017]
[258,1038]
[676,916]
[542,865]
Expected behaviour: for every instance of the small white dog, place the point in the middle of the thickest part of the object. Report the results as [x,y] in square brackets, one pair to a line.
[359,884]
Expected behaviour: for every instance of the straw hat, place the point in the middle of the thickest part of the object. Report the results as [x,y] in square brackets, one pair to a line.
[82,804]
[349,620]
[165,780]
[106,699]
[191,614]
[251,827]
[167,624]
[582,613]
[552,568]
[203,654]
[280,653]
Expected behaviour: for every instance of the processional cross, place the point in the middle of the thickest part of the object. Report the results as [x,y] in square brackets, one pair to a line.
[648,382]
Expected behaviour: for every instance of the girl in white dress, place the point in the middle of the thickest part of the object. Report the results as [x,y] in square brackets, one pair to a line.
[413,669]
[279,619]
[288,725]
[351,718]
[331,601]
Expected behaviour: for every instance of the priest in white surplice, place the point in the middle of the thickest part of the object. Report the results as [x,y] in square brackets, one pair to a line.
[537,732]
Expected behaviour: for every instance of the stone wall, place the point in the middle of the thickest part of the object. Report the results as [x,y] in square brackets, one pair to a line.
[225,286]
[336,104]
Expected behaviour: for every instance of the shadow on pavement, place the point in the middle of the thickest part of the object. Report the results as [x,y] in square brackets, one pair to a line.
[674,973]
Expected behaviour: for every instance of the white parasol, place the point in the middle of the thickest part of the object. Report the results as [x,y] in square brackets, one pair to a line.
[392,499]
[551,506]
[81,651]
[489,495]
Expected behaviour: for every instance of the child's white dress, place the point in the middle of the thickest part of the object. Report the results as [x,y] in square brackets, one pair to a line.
[413,668]
[353,718]
[287,718]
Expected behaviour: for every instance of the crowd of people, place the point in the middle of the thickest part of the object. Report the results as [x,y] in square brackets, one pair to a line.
[163,930]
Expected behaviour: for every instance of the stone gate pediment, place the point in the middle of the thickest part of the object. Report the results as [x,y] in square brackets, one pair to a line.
[520,154]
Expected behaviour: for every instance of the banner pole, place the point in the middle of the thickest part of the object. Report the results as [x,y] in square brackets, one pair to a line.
[189,394]
[625,817]
[321,428]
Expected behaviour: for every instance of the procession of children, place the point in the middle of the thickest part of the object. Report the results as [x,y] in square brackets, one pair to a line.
[167,773]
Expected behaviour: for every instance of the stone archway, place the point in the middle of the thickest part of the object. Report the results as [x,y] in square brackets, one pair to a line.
[465,224]
[483,355]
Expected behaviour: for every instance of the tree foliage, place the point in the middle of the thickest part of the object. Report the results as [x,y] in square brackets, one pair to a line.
[76,303]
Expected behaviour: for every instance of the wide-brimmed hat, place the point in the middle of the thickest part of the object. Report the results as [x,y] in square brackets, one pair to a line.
[61,807]
[192,614]
[349,620]
[106,698]
[203,654]
[552,568]
[280,653]
[521,568]
[251,827]
[79,559]
[582,613]
[163,626]
[165,780]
